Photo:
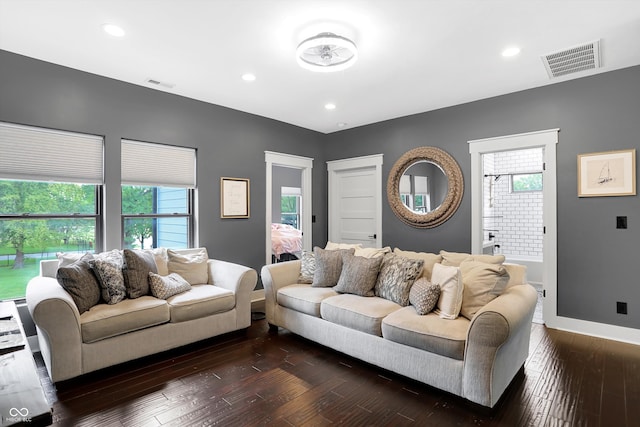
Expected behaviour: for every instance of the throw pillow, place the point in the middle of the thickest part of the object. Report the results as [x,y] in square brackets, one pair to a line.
[136,268]
[429,260]
[192,267]
[483,282]
[161,258]
[78,279]
[331,246]
[396,277]
[328,266]
[107,267]
[455,258]
[372,252]
[424,296]
[358,275]
[451,288]
[164,287]
[68,258]
[307,267]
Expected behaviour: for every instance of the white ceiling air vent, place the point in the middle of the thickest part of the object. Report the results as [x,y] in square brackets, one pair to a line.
[155,82]
[573,60]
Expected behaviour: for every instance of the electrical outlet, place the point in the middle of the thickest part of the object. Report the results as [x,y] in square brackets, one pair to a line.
[621,307]
[621,222]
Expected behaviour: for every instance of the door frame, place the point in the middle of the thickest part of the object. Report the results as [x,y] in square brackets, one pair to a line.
[305,164]
[336,166]
[546,139]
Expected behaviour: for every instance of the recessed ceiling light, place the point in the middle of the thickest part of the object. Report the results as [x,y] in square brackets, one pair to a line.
[342,124]
[330,106]
[511,51]
[248,77]
[113,30]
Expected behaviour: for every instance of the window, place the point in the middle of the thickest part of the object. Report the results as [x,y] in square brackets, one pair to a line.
[50,193]
[290,202]
[526,182]
[157,207]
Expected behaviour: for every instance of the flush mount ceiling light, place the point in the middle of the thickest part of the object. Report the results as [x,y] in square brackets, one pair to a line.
[326,52]
[113,30]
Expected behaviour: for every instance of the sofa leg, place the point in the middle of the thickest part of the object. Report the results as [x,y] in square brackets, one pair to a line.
[273,328]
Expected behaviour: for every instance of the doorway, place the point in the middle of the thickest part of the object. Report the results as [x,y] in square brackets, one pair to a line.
[507,174]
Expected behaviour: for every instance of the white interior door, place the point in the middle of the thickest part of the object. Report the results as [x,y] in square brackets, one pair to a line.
[355,201]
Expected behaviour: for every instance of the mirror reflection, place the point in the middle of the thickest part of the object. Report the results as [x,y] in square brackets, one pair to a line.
[423,187]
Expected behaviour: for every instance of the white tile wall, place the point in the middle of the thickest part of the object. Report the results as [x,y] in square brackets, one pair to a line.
[514,218]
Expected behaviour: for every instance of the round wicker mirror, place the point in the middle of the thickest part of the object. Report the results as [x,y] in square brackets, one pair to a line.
[401,201]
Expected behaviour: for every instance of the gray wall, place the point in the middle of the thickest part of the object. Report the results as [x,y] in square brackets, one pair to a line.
[229,143]
[596,262]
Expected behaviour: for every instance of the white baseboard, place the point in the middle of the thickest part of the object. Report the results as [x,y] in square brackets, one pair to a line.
[595,329]
[33,343]
[257,300]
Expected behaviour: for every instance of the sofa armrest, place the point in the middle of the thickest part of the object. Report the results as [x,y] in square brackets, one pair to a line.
[239,279]
[498,344]
[274,277]
[58,324]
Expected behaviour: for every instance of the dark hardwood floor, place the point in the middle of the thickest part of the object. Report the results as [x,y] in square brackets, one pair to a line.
[262,378]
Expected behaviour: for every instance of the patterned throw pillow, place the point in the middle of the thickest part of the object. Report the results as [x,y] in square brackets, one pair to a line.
[328,266]
[396,277]
[307,267]
[107,267]
[424,296]
[451,288]
[358,275]
[78,279]
[164,287]
[136,268]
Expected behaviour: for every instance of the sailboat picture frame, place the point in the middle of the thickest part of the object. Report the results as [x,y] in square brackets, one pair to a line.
[609,173]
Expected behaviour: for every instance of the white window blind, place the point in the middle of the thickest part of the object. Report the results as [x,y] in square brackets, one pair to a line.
[37,154]
[421,185]
[157,165]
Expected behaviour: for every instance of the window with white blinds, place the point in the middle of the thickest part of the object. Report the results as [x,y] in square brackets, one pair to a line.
[151,164]
[37,154]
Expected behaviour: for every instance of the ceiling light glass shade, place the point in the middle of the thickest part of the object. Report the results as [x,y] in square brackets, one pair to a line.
[326,52]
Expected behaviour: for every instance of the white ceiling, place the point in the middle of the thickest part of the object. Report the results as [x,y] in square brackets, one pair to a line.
[414,56]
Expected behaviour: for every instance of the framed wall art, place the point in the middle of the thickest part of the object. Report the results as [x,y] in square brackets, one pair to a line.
[234,197]
[610,173]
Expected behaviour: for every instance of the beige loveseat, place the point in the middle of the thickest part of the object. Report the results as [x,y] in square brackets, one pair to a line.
[473,358]
[74,343]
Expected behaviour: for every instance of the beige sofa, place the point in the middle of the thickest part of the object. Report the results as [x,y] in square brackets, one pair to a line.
[473,358]
[73,344]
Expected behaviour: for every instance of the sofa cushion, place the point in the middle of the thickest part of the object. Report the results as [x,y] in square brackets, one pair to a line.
[136,268]
[108,320]
[328,266]
[200,301]
[81,283]
[192,266]
[429,260]
[358,275]
[431,333]
[424,296]
[396,277]
[304,298]
[164,287]
[107,267]
[372,252]
[364,314]
[455,258]
[482,283]
[307,267]
[451,288]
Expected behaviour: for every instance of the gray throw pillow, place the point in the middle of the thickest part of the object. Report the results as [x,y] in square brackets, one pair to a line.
[396,277]
[164,287]
[136,268]
[307,267]
[424,296]
[107,267]
[358,275]
[328,266]
[78,279]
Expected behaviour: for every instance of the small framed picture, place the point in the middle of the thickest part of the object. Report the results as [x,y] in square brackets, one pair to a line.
[234,197]
[610,173]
